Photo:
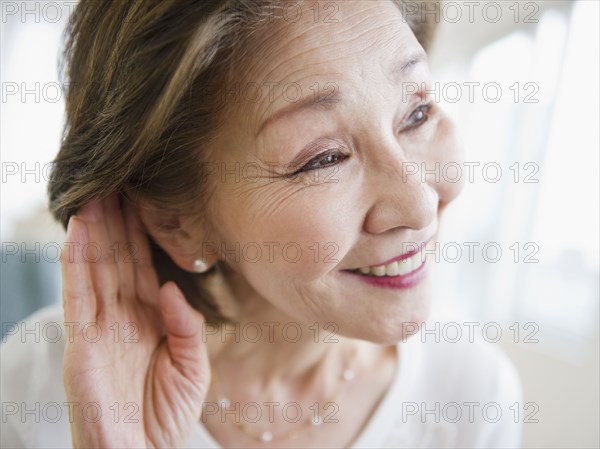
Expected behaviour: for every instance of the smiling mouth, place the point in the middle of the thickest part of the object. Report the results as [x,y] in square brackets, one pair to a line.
[399,266]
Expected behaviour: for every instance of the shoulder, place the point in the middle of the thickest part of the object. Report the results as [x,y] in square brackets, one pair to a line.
[34,409]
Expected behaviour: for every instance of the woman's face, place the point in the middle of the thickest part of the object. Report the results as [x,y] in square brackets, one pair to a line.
[314,170]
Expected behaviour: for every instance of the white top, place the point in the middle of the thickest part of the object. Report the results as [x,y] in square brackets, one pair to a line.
[444,394]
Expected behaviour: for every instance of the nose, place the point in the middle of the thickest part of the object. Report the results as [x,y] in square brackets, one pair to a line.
[400,197]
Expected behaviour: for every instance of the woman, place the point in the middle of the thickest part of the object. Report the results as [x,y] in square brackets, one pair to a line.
[245,255]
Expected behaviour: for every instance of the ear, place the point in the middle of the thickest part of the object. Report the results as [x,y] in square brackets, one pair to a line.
[173,236]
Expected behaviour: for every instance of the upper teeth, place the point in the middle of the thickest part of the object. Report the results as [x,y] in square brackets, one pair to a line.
[397,268]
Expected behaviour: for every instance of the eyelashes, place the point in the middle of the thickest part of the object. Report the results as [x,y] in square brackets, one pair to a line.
[333,156]
[422,112]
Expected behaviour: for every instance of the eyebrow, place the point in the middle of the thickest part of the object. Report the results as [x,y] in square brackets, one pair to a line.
[399,69]
[326,103]
[330,101]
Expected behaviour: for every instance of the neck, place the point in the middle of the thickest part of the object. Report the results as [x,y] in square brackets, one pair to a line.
[266,352]
[287,370]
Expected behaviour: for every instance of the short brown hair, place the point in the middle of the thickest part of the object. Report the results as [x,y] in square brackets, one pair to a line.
[137,112]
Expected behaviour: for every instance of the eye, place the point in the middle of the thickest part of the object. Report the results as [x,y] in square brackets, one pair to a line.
[418,117]
[322,160]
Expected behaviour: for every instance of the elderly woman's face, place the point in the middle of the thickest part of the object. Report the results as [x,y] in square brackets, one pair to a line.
[317,169]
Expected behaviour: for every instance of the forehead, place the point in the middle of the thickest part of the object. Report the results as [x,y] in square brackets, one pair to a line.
[323,42]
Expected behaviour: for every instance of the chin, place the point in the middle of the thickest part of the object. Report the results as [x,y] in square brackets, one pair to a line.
[391,320]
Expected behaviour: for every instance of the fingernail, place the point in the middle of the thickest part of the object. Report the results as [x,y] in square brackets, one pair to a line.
[69,225]
[178,291]
[93,210]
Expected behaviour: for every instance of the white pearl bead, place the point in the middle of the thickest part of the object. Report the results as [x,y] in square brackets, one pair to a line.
[224,403]
[266,436]
[348,374]
[316,421]
[200,266]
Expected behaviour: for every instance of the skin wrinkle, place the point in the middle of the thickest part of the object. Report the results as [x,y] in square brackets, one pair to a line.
[313,303]
[273,202]
[251,192]
[307,77]
[322,48]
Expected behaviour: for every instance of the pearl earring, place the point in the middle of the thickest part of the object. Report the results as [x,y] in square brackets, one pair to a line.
[200,266]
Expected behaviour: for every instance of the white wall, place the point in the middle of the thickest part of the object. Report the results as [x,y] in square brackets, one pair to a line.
[558,294]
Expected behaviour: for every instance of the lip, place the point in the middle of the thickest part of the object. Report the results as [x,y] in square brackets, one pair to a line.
[403,281]
[405,255]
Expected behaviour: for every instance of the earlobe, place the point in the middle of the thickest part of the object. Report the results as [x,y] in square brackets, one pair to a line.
[181,247]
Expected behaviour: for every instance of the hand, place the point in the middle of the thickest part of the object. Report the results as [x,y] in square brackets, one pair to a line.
[148,372]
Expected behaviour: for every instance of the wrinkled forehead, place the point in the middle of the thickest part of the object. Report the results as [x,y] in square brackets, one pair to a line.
[309,47]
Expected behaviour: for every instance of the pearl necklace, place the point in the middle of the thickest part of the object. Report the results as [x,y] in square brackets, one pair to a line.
[267,436]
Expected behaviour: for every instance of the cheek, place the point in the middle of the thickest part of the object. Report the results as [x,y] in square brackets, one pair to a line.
[321,224]
[297,234]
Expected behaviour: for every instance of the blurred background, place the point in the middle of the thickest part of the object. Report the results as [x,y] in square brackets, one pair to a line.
[521,81]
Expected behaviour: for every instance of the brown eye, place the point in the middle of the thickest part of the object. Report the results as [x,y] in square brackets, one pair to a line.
[418,117]
[322,160]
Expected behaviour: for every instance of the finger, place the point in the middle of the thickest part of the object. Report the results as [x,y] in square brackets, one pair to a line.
[79,299]
[146,279]
[185,329]
[100,256]
[117,234]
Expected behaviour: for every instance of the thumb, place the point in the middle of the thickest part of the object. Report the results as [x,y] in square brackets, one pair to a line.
[185,328]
